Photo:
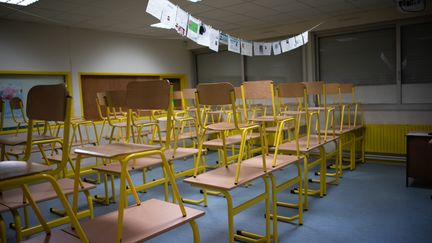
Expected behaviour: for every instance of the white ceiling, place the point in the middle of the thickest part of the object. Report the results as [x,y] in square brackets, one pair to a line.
[249,19]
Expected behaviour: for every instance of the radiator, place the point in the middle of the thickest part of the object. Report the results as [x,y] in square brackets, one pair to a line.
[389,139]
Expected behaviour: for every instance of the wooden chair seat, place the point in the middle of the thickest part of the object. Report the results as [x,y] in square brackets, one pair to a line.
[21,139]
[268,118]
[114,150]
[230,140]
[41,192]
[152,218]
[292,113]
[138,164]
[313,144]
[225,126]
[273,129]
[55,236]
[281,162]
[19,149]
[223,178]
[58,157]
[14,169]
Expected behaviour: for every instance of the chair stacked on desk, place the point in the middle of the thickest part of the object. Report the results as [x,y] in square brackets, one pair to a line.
[22,182]
[243,171]
[160,216]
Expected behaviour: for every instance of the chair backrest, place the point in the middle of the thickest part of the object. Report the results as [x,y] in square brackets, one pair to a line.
[15,103]
[100,98]
[258,89]
[215,93]
[177,95]
[47,102]
[332,94]
[332,88]
[314,88]
[189,94]
[115,98]
[148,95]
[346,88]
[291,90]
[261,91]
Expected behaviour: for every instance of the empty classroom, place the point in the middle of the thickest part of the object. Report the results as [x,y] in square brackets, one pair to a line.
[215,121]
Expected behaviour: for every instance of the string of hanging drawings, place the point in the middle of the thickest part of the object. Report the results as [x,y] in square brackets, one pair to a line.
[186,25]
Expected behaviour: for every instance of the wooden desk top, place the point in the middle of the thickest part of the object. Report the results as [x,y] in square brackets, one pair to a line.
[55,236]
[223,178]
[14,169]
[114,150]
[152,218]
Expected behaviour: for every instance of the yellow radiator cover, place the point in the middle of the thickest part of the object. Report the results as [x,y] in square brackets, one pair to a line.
[390,139]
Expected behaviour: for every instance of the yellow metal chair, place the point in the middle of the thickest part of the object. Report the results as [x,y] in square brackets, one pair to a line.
[160,216]
[305,146]
[51,103]
[229,177]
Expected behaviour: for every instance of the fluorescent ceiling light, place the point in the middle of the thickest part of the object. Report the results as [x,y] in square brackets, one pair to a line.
[194,1]
[160,25]
[19,2]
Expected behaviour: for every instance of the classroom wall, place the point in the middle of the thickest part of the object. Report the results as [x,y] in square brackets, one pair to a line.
[38,47]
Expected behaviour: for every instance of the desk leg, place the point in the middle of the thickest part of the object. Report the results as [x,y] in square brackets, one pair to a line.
[230,216]
[76,184]
[323,166]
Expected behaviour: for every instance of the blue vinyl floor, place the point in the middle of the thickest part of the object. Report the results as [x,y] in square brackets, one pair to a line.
[371,204]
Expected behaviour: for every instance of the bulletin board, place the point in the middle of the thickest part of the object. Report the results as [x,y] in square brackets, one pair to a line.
[18,84]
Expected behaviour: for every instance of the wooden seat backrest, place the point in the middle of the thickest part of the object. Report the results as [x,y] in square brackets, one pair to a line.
[261,89]
[215,93]
[291,90]
[148,95]
[47,102]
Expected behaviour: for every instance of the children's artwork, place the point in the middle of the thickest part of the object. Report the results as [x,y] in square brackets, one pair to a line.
[204,35]
[214,39]
[262,49]
[233,44]
[246,48]
[298,41]
[305,36]
[7,92]
[223,38]
[155,7]
[169,15]
[181,21]
[276,48]
[193,28]
[287,45]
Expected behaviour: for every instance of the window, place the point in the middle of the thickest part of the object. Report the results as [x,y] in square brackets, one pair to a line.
[416,53]
[286,67]
[367,57]
[219,67]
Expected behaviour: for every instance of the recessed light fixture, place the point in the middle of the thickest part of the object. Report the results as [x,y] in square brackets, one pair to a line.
[160,25]
[19,2]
